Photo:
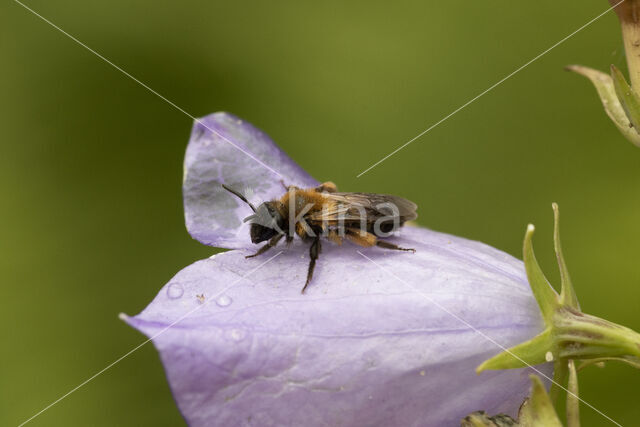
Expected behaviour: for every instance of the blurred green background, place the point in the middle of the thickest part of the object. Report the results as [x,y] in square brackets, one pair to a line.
[91,162]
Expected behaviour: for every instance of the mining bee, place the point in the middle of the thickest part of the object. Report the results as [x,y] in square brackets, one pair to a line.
[312,213]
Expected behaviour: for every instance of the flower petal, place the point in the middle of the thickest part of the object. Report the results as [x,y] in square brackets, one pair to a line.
[380,342]
[226,150]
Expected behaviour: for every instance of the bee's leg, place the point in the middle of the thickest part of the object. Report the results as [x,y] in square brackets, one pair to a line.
[387,245]
[361,238]
[314,251]
[367,239]
[334,237]
[326,187]
[287,187]
[272,242]
[289,240]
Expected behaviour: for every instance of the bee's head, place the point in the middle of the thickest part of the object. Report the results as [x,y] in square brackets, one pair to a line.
[266,222]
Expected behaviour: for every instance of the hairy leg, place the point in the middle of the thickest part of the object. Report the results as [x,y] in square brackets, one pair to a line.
[387,245]
[360,238]
[326,187]
[334,237]
[314,252]
[287,187]
[272,242]
[367,239]
[289,240]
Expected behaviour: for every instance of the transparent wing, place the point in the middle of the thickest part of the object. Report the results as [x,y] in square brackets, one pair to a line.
[371,206]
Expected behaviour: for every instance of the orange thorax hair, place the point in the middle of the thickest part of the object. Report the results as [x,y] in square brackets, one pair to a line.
[300,199]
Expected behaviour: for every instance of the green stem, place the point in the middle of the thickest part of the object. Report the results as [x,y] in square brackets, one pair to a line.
[559,377]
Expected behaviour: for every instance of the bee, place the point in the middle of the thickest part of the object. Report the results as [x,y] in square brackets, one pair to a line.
[323,212]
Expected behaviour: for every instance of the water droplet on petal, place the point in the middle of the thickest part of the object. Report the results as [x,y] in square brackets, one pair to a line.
[224,301]
[237,334]
[175,291]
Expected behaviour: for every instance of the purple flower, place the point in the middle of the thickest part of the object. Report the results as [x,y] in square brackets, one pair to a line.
[380,338]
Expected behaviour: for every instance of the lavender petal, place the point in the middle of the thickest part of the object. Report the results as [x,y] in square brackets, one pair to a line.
[224,149]
[391,343]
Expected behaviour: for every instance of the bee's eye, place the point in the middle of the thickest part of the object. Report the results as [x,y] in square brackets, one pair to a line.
[260,233]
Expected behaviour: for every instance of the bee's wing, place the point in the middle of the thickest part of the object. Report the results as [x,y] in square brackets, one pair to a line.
[352,207]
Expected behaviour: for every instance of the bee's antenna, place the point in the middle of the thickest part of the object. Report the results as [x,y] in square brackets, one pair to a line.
[239,196]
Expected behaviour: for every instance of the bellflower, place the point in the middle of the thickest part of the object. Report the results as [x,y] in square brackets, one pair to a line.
[380,338]
[569,333]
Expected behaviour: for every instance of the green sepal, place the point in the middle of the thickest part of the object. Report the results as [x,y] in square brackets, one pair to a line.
[538,410]
[543,292]
[573,401]
[532,352]
[627,96]
[567,293]
[612,106]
